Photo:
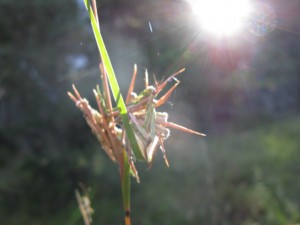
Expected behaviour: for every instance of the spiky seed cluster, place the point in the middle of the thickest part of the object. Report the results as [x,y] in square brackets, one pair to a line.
[150,127]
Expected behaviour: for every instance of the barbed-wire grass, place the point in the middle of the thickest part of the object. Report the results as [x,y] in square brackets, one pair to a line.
[131,131]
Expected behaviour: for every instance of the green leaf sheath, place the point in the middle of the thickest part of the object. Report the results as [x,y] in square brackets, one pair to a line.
[126,185]
[113,82]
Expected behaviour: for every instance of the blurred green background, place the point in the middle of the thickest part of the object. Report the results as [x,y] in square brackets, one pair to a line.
[243,92]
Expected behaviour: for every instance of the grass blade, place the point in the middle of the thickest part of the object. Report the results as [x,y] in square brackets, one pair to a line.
[113,82]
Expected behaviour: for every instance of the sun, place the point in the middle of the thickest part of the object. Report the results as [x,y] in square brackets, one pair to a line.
[221,17]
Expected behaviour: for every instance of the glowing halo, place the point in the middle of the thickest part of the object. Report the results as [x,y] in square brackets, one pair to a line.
[221,17]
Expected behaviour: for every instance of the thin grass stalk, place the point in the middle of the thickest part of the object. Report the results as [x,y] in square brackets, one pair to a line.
[126,185]
[124,164]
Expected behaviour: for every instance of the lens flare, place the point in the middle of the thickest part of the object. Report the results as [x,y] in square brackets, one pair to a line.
[263,20]
[221,18]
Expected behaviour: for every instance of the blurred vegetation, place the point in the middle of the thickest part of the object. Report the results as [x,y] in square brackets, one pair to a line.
[245,172]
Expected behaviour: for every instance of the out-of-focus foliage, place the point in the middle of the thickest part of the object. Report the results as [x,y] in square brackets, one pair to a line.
[243,93]
[39,168]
